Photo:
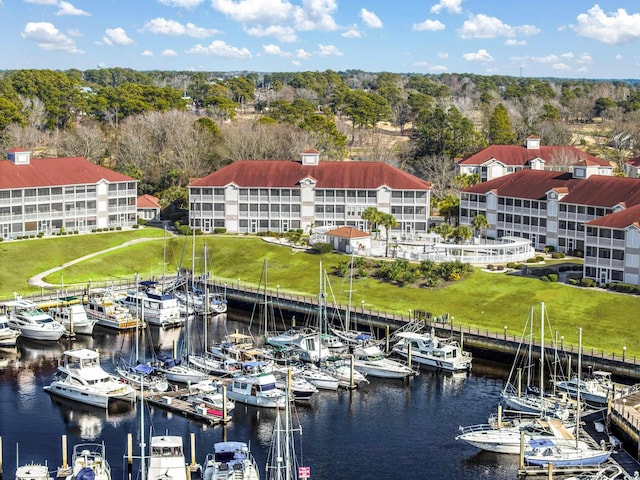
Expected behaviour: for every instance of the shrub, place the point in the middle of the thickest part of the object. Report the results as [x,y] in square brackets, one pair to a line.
[553,277]
[532,260]
[545,278]
[588,282]
[490,267]
[573,281]
[135,225]
[624,288]
[118,227]
[76,232]
[184,230]
[500,267]
[322,248]
[557,255]
[220,230]
[40,234]
[549,248]
[539,258]
[141,221]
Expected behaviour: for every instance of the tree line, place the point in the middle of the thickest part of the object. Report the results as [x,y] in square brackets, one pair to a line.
[165,127]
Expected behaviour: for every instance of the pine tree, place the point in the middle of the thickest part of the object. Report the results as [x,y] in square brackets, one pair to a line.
[500,132]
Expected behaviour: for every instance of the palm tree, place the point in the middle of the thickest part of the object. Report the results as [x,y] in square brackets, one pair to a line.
[480,224]
[444,230]
[388,221]
[372,215]
[463,233]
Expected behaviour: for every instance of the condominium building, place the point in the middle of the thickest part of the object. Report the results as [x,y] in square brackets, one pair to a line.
[496,161]
[251,196]
[51,195]
[579,212]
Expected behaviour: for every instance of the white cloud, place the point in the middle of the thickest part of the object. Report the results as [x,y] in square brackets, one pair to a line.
[370,19]
[614,29]
[451,6]
[189,4]
[163,26]
[329,51]
[282,33]
[551,58]
[219,48]
[428,66]
[480,56]
[582,70]
[74,32]
[429,25]
[351,33]
[169,53]
[48,37]
[568,55]
[512,42]
[584,58]
[272,49]
[116,36]
[300,53]
[560,66]
[43,2]
[442,55]
[312,15]
[67,9]
[618,57]
[147,53]
[484,26]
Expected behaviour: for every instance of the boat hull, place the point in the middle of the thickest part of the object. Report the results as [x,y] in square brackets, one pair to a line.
[88,397]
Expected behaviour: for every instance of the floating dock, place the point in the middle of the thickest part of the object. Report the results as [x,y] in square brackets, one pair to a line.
[173,401]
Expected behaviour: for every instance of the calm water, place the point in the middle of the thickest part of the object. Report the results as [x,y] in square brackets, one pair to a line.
[386,430]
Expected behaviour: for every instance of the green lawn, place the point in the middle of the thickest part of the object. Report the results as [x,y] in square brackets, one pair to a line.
[483,300]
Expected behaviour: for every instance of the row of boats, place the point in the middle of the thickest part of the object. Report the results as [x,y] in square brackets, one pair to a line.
[49,321]
[545,427]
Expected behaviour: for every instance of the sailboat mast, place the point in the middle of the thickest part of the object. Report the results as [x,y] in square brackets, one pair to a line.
[266,315]
[348,316]
[143,466]
[579,385]
[542,353]
[529,363]
[206,299]
[287,433]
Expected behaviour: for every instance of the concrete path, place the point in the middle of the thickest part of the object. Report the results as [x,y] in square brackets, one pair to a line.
[37,280]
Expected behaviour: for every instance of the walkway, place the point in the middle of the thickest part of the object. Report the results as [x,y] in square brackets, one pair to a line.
[37,280]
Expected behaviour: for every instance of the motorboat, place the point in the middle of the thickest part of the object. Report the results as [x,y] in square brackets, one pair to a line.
[320,378]
[70,312]
[175,371]
[305,341]
[344,370]
[153,306]
[429,350]
[33,471]
[88,462]
[505,436]
[596,390]
[371,361]
[8,336]
[257,386]
[231,461]
[81,378]
[543,451]
[107,312]
[300,388]
[32,321]
[166,459]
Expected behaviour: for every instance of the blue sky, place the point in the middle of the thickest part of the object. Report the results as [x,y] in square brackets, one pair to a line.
[559,38]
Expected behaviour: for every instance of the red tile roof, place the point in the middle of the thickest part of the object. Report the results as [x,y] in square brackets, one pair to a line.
[634,162]
[517,155]
[348,232]
[287,174]
[622,219]
[45,172]
[597,190]
[148,201]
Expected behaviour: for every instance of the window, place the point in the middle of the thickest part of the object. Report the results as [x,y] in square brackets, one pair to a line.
[618,235]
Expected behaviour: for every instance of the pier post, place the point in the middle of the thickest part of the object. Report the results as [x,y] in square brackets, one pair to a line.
[0,458]
[550,471]
[521,450]
[409,355]
[193,449]
[64,451]
[129,455]
[387,336]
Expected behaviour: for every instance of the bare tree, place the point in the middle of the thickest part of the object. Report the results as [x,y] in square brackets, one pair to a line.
[29,138]
[85,140]
[35,110]
[564,158]
[437,169]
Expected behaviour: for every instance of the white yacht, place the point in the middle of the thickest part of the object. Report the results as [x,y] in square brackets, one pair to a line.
[88,462]
[231,461]
[32,321]
[305,341]
[371,361]
[166,459]
[429,350]
[346,373]
[257,387]
[175,371]
[71,313]
[321,379]
[8,335]
[81,378]
[109,313]
[155,307]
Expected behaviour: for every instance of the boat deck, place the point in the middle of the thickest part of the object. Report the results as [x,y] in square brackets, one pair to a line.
[172,402]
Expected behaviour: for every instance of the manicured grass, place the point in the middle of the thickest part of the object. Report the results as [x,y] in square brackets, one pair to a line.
[482,300]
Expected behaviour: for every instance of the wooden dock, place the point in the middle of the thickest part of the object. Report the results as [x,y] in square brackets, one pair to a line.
[174,402]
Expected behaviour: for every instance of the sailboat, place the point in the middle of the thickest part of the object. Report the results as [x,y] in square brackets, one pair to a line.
[282,461]
[542,452]
[532,401]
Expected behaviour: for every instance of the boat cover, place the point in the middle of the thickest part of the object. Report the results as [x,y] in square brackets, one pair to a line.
[146,369]
[86,474]
[540,442]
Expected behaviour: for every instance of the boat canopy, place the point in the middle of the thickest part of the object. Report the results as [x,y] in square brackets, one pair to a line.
[86,473]
[146,369]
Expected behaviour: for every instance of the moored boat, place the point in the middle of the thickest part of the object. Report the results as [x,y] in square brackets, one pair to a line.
[8,336]
[109,313]
[71,313]
[371,361]
[166,459]
[431,351]
[155,307]
[257,387]
[88,462]
[32,321]
[81,378]
[231,461]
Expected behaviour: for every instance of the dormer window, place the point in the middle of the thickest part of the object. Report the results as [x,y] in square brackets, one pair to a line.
[310,157]
[533,143]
